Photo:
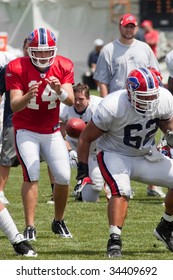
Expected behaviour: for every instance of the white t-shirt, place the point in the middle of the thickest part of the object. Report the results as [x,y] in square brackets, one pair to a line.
[5,58]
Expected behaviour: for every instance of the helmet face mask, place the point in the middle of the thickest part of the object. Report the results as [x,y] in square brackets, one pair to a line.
[42,47]
[143,91]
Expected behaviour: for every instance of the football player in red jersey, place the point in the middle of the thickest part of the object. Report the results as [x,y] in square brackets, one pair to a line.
[37,85]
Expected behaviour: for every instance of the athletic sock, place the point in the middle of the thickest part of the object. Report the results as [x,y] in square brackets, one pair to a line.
[114,229]
[168,218]
[8,226]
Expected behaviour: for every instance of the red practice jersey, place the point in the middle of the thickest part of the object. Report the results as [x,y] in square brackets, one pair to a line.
[42,113]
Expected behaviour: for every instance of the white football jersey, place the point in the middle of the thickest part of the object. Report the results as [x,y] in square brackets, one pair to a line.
[169,63]
[5,58]
[67,113]
[126,131]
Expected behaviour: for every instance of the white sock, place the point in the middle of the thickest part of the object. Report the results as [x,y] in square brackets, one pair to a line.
[114,229]
[8,226]
[168,218]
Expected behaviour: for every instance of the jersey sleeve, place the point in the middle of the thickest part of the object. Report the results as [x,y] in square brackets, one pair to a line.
[169,63]
[94,102]
[166,104]
[67,69]
[102,67]
[13,75]
[102,118]
[63,113]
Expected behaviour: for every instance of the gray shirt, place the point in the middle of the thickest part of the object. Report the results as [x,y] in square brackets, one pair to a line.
[116,60]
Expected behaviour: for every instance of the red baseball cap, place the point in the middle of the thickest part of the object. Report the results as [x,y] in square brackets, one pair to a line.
[128,18]
[147,23]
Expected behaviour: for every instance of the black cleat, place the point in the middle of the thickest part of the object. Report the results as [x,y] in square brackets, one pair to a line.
[114,246]
[59,227]
[30,233]
[164,233]
[24,248]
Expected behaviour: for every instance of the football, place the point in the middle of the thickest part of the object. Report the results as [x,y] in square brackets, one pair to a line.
[74,127]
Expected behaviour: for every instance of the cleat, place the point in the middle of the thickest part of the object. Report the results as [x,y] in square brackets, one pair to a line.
[156,192]
[24,248]
[51,201]
[59,227]
[30,233]
[132,194]
[114,246]
[164,233]
[3,199]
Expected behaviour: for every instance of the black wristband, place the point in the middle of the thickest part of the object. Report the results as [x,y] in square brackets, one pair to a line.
[82,170]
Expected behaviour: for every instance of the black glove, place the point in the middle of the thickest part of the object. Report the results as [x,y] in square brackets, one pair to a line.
[83,179]
[82,170]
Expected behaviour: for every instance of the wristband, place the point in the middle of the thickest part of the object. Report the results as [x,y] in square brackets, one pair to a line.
[63,96]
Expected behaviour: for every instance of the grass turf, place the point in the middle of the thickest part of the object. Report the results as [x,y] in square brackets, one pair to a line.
[88,224]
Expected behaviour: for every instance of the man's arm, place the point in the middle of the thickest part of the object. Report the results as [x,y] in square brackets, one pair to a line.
[103,89]
[65,92]
[167,129]
[69,101]
[19,101]
[83,147]
[166,125]
[90,133]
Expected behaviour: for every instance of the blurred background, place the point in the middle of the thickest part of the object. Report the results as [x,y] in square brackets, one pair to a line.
[77,23]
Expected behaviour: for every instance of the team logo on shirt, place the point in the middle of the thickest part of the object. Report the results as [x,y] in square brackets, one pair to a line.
[42,75]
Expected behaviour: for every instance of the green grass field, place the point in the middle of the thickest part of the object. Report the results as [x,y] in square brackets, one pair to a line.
[88,224]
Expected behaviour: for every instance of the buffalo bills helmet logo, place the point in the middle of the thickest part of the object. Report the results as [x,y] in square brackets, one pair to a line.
[31,36]
[53,36]
[133,83]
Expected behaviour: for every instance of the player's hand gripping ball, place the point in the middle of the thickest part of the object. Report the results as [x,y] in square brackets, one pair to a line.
[74,127]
